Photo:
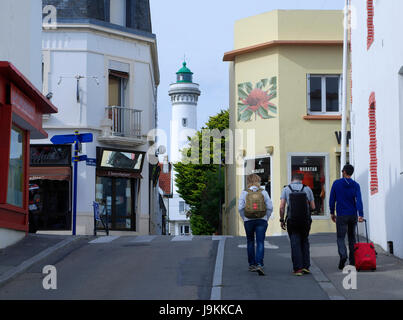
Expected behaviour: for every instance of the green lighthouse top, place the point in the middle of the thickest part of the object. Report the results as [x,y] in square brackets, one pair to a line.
[184,74]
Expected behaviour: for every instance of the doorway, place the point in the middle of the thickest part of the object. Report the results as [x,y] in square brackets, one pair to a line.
[116,198]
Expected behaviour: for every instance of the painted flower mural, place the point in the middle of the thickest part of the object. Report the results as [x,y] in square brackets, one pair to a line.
[256,100]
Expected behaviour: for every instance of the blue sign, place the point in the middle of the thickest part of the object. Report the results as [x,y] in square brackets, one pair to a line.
[96,210]
[71,138]
[91,162]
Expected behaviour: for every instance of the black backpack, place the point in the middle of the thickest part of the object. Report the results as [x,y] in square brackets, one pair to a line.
[298,212]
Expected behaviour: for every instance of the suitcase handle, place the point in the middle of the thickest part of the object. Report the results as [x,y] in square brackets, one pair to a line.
[366,231]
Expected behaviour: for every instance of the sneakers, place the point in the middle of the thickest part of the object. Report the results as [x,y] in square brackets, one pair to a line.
[260,270]
[298,272]
[252,268]
[342,263]
[305,271]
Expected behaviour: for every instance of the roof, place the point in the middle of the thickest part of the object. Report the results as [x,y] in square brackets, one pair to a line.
[231,55]
[165,180]
[8,70]
[184,69]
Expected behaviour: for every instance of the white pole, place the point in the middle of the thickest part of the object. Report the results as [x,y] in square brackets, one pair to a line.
[344,95]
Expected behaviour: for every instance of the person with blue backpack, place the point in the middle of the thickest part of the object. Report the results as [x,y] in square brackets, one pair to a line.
[345,197]
[300,200]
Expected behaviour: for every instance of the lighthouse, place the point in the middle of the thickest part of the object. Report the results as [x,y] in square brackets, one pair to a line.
[184,96]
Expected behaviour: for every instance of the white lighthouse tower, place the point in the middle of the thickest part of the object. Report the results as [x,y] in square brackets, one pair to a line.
[184,96]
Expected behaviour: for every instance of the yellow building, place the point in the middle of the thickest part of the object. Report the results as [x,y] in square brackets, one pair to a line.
[285,108]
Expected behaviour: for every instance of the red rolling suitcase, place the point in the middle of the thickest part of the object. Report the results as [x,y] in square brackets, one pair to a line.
[364,253]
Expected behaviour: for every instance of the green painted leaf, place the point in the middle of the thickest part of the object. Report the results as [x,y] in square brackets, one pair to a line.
[249,87]
[259,85]
[242,94]
[246,115]
[273,109]
[263,113]
[264,82]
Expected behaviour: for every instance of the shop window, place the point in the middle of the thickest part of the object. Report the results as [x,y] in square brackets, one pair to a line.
[261,167]
[15,188]
[324,94]
[314,172]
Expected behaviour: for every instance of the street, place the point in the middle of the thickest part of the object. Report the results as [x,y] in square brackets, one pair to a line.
[186,268]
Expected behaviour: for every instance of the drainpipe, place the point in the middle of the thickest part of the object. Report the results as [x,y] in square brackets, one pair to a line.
[344,102]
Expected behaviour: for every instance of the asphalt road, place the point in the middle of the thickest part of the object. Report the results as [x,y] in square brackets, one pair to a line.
[164,268]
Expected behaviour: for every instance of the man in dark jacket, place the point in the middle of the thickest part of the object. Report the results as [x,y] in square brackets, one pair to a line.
[346,197]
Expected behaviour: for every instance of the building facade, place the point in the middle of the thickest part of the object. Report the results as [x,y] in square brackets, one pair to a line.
[285,108]
[377,117]
[100,64]
[20,53]
[184,96]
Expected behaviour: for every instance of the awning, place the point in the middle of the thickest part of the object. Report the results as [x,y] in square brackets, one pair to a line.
[49,173]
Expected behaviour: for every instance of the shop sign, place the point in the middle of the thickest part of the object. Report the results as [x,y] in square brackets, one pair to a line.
[338,136]
[308,169]
[45,155]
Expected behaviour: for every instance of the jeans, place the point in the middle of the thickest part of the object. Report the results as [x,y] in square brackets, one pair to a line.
[258,227]
[346,224]
[299,239]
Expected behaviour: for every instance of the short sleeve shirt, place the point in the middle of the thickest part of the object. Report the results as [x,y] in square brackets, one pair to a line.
[285,194]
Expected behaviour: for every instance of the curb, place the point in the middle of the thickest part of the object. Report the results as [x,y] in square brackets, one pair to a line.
[24,266]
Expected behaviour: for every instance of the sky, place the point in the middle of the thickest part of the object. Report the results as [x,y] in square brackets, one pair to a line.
[202,30]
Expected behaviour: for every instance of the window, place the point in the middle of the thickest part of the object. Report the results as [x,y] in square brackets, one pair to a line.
[182,207]
[184,122]
[324,94]
[184,229]
[261,167]
[313,170]
[118,88]
[15,189]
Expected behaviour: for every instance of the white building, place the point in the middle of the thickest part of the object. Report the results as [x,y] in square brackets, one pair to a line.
[184,96]
[377,116]
[20,44]
[100,64]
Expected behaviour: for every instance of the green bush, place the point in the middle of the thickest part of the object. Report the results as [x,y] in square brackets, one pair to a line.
[200,226]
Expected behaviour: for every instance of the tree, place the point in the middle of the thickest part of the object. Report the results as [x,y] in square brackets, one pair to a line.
[202,185]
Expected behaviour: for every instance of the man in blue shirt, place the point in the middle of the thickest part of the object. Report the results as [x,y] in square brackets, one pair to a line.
[346,197]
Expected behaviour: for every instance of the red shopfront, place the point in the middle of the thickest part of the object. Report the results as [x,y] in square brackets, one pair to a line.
[21,110]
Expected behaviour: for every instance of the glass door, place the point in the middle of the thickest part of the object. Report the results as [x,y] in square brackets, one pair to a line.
[115,197]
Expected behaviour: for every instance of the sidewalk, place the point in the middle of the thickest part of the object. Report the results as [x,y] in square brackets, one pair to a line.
[325,282]
[386,283]
[17,258]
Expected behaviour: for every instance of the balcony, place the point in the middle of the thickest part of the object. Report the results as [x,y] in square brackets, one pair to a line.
[122,126]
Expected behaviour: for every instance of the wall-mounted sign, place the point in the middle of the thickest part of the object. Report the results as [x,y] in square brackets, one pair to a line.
[50,155]
[120,159]
[308,169]
[338,136]
[91,162]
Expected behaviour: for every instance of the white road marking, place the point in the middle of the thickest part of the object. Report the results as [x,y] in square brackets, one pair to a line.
[145,238]
[267,245]
[182,238]
[219,264]
[220,237]
[104,239]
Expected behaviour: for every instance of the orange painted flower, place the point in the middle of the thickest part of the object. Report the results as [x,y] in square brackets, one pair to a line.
[257,98]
